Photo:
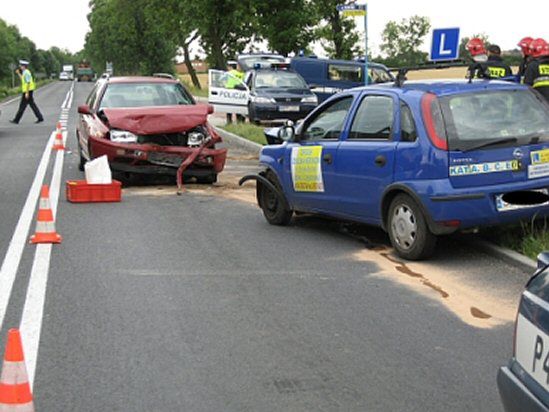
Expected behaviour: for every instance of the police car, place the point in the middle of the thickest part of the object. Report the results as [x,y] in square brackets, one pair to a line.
[270,92]
[524,384]
[419,159]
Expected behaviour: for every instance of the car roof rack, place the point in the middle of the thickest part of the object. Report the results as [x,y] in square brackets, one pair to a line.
[164,75]
[400,78]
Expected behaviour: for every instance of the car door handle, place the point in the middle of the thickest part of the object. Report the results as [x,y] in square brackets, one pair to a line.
[214,93]
[380,161]
[327,157]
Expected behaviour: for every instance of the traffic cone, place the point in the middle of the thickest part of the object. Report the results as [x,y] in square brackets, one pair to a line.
[58,144]
[58,127]
[45,225]
[15,391]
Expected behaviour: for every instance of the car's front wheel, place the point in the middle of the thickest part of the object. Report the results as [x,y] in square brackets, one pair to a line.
[82,159]
[408,229]
[275,211]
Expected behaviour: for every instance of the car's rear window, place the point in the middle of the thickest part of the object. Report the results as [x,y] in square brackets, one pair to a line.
[144,95]
[518,116]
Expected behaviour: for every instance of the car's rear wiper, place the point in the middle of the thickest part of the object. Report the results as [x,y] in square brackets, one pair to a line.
[489,143]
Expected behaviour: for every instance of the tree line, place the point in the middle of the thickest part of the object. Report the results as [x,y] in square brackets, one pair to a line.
[14,46]
[144,36]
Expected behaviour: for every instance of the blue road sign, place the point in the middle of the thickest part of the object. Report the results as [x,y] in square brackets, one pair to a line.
[445,45]
[350,7]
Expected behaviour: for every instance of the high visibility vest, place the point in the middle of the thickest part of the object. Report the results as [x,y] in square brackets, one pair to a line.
[543,79]
[236,77]
[27,81]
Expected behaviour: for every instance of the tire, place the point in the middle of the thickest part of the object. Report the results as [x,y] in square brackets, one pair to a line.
[82,159]
[408,229]
[207,180]
[275,212]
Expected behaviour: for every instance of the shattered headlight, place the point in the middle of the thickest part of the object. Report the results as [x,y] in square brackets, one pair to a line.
[197,137]
[122,136]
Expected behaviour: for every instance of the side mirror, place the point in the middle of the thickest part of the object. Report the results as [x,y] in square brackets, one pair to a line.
[287,132]
[84,109]
[543,260]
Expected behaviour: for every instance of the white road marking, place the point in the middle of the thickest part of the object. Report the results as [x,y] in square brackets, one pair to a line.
[33,311]
[20,236]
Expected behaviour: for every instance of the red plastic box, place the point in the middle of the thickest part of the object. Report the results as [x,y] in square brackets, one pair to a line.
[78,191]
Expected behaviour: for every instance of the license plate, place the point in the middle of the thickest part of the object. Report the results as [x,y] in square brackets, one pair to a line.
[503,206]
[288,108]
[532,350]
[165,159]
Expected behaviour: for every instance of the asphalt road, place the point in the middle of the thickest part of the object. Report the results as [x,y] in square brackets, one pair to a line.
[195,303]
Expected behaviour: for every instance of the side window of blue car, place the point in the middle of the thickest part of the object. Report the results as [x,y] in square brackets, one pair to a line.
[408,131]
[328,123]
[374,119]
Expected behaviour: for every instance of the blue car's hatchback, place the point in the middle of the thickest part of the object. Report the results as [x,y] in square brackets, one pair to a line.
[420,160]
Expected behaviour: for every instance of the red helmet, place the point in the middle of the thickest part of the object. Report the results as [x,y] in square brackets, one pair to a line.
[476,46]
[524,44]
[539,48]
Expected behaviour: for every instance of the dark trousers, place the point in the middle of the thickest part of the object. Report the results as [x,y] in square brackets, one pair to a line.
[23,105]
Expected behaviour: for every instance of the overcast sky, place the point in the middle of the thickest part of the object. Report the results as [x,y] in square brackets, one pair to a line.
[63,23]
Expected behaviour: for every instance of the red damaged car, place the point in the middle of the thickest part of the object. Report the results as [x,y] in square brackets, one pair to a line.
[149,125]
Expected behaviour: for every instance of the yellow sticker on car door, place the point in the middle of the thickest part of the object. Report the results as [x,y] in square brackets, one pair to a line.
[307,169]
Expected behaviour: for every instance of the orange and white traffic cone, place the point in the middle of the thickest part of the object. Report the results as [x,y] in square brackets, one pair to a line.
[15,391]
[58,127]
[45,225]
[58,144]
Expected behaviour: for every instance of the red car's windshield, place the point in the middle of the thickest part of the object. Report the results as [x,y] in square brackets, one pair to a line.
[144,95]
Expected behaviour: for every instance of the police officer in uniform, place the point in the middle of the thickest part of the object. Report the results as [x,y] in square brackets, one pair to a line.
[236,77]
[537,72]
[27,88]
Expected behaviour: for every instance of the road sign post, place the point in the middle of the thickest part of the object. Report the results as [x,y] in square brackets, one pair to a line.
[356,10]
[445,44]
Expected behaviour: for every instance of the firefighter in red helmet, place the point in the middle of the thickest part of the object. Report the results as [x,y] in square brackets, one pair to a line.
[537,72]
[487,64]
[524,45]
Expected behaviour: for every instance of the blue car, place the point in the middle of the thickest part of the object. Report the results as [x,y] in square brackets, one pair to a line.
[419,159]
[524,384]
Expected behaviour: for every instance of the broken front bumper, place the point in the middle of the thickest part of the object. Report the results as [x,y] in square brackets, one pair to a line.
[154,159]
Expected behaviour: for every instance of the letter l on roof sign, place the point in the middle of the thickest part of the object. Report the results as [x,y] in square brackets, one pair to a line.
[445,44]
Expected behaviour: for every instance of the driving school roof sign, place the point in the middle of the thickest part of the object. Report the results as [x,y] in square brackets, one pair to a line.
[445,45]
[352,10]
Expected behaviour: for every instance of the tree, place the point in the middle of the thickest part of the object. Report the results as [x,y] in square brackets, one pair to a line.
[225,27]
[285,29]
[129,34]
[337,33]
[401,41]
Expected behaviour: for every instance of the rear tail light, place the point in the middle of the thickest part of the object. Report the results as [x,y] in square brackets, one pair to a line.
[434,123]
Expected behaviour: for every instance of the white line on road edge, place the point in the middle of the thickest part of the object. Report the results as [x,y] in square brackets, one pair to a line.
[31,322]
[33,311]
[21,233]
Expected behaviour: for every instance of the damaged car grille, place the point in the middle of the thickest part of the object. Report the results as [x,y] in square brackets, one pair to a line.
[164,139]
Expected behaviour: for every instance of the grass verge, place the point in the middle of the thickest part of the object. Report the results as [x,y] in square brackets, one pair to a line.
[6,92]
[247,131]
[195,91]
[528,238]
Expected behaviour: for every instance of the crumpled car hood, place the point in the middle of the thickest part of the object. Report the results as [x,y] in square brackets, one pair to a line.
[157,120]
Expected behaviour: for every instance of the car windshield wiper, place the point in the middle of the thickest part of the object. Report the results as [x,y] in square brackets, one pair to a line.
[494,142]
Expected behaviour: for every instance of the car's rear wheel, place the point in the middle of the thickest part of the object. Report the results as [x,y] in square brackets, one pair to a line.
[274,210]
[408,229]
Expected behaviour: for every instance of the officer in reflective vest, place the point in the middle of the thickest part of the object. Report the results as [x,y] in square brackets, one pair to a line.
[537,72]
[236,77]
[27,88]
